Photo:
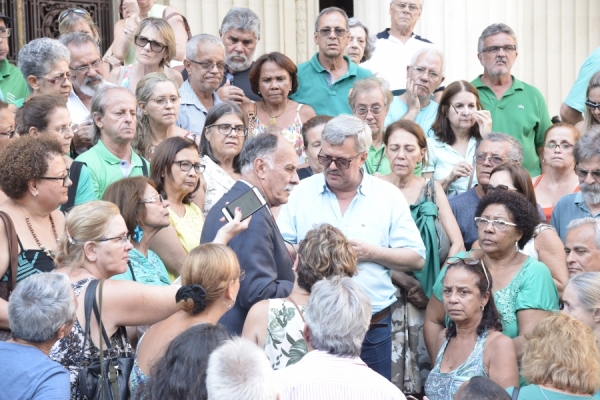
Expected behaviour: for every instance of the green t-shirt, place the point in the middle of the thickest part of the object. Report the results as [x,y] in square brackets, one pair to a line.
[522,113]
[12,84]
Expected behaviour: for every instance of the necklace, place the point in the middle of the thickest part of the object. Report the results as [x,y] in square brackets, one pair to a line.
[37,240]
[273,118]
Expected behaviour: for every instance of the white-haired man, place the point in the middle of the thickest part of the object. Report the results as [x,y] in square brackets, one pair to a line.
[582,246]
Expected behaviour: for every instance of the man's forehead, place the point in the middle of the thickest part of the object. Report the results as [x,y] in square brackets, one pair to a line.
[430,59]
[500,148]
[329,18]
[500,37]
[581,236]
[240,34]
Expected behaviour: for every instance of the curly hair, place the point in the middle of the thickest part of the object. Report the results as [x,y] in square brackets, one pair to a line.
[562,351]
[323,253]
[521,211]
[491,318]
[25,159]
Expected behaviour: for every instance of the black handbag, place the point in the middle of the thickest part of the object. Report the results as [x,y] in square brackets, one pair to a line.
[103,378]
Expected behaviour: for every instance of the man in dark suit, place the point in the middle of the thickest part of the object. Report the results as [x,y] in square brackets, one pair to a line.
[268,162]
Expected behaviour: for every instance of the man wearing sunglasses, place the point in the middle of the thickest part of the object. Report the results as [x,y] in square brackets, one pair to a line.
[13,87]
[586,202]
[573,106]
[371,213]
[327,78]
[517,108]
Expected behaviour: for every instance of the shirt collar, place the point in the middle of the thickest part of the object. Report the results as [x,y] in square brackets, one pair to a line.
[188,96]
[111,159]
[365,187]
[352,67]
[516,84]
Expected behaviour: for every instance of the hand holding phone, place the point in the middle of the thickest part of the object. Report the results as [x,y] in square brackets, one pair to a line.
[249,203]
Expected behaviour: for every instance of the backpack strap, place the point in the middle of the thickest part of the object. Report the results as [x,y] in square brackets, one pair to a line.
[145,168]
[74,174]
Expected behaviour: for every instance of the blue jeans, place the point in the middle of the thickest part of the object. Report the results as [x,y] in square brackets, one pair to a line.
[376,349]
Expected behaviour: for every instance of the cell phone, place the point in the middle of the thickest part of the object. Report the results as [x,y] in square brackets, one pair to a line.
[249,203]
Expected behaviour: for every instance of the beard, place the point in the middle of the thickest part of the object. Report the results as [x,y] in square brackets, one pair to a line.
[590,192]
[91,85]
[238,66]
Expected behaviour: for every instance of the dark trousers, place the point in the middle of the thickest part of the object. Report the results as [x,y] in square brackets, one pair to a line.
[376,349]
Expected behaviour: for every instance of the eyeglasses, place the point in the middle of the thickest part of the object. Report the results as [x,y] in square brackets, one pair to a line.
[563,145]
[209,65]
[186,166]
[242,275]
[152,199]
[155,46]
[85,68]
[496,223]
[411,7]
[63,130]
[471,261]
[162,101]
[509,48]
[591,105]
[64,179]
[494,160]
[122,239]
[5,32]
[341,163]
[462,107]
[362,111]
[339,32]
[58,80]
[420,71]
[10,134]
[64,14]
[583,173]
[227,129]
[500,187]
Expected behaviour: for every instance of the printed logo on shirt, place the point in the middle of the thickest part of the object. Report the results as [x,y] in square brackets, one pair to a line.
[521,106]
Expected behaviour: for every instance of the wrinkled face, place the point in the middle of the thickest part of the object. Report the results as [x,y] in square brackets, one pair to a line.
[183,182]
[332,46]
[490,150]
[275,83]
[404,152]
[558,157]
[426,72]
[497,64]
[336,177]
[56,82]
[117,125]
[53,190]
[157,213]
[86,82]
[112,255]
[355,49]
[60,120]
[162,114]
[239,49]
[594,97]
[589,186]
[145,55]
[405,14]
[574,308]
[3,42]
[376,110]
[461,296]
[497,239]
[582,253]
[225,145]
[279,181]
[206,80]
[460,113]
[7,125]
[313,137]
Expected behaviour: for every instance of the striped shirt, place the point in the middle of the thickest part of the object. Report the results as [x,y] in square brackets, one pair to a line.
[323,376]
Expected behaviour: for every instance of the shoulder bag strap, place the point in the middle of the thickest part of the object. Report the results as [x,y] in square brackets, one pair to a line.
[515,393]
[13,249]
[74,173]
[297,308]
[474,166]
[130,266]
[98,314]
[112,368]
[89,299]
[185,23]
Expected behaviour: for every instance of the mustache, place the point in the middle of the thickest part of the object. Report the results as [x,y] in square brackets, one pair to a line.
[335,172]
[289,187]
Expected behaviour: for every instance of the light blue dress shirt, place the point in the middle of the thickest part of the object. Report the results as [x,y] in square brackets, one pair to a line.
[378,214]
[192,112]
[425,118]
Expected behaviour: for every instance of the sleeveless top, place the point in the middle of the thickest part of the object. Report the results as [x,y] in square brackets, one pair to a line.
[218,182]
[157,10]
[529,248]
[293,133]
[137,379]
[31,262]
[442,386]
[125,72]
[67,351]
[284,344]
[188,228]
[548,210]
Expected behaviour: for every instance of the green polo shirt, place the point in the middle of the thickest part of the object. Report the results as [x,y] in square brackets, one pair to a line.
[314,88]
[521,113]
[377,161]
[106,168]
[12,84]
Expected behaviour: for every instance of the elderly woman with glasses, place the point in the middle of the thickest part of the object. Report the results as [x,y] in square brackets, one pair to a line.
[44,64]
[523,289]
[154,49]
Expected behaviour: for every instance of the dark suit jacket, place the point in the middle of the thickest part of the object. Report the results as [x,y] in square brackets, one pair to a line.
[262,254]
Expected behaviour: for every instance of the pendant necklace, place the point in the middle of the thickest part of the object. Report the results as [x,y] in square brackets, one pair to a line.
[272,118]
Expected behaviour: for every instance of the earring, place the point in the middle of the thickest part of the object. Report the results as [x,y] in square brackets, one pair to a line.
[34,194]
[482,307]
[517,246]
[230,305]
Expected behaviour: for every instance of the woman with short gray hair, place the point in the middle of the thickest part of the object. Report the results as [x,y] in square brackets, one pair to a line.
[361,46]
[44,64]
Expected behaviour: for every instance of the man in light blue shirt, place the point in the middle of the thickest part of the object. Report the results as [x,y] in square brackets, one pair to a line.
[373,214]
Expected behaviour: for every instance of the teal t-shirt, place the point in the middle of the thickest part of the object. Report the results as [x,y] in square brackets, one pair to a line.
[534,392]
[148,270]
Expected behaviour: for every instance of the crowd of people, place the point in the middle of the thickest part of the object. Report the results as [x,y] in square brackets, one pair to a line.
[410,240]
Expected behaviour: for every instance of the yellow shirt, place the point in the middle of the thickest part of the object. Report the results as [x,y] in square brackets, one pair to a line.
[188,227]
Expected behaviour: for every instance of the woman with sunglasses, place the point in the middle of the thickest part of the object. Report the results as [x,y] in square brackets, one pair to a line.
[591,115]
[44,64]
[154,49]
[460,125]
[523,289]
[473,343]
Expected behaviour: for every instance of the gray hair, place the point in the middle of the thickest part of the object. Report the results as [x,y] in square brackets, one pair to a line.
[39,306]
[260,146]
[98,106]
[343,127]
[78,39]
[588,145]
[516,150]
[430,50]
[492,30]
[330,10]
[370,40]
[39,56]
[373,82]
[239,369]
[191,49]
[587,286]
[243,19]
[338,314]
[420,3]
[587,221]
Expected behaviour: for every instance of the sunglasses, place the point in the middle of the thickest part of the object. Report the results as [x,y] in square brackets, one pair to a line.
[155,46]
[341,163]
[68,11]
[472,262]
[500,187]
[583,173]
[591,105]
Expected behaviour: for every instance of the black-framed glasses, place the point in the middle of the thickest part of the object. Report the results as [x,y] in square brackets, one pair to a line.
[509,48]
[64,179]
[68,11]
[362,111]
[122,239]
[209,65]
[10,134]
[339,32]
[563,145]
[583,173]
[63,130]
[471,261]
[227,129]
[155,46]
[186,166]
[504,188]
[495,160]
[341,163]
[85,68]
[162,101]
[591,105]
[4,32]
[58,80]
[496,223]
[420,71]
[152,199]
